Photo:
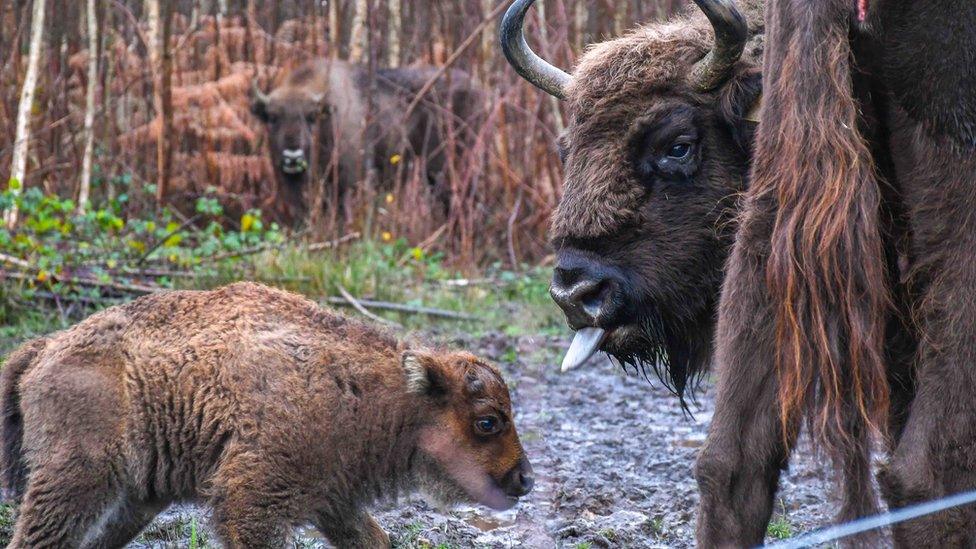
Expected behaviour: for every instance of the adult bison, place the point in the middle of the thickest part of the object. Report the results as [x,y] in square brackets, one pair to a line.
[656,152]
[849,300]
[320,122]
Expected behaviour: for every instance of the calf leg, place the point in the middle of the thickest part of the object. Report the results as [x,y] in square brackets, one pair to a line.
[122,526]
[72,449]
[252,505]
[67,498]
[355,530]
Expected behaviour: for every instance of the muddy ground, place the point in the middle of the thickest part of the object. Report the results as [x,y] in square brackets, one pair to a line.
[613,456]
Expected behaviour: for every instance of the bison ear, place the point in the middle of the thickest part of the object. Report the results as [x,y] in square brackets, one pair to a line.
[740,99]
[425,374]
[259,108]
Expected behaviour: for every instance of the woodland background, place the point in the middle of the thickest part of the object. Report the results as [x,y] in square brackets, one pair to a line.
[132,162]
[182,70]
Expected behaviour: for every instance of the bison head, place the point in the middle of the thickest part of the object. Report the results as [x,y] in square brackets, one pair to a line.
[656,152]
[292,115]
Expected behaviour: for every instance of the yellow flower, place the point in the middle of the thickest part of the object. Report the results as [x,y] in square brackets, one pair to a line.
[389,198]
[395,159]
[247,221]
[386,236]
[42,275]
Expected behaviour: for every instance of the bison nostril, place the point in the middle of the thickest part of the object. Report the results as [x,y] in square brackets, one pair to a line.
[526,482]
[594,297]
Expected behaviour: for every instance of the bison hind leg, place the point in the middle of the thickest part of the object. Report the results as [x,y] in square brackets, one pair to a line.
[122,526]
[68,503]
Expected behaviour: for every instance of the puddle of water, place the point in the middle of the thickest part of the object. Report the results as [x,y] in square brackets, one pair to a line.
[487,523]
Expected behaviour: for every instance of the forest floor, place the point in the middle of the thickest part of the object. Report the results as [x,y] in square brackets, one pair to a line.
[613,455]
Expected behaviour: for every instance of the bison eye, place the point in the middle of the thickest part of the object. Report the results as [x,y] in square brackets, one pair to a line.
[486,425]
[679,151]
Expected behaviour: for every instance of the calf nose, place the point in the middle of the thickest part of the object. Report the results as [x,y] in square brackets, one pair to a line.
[584,290]
[520,480]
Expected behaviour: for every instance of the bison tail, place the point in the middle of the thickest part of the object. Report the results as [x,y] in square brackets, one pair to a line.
[826,273]
[12,432]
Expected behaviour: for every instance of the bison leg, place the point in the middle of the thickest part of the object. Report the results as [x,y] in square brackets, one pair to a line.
[357,530]
[936,454]
[76,479]
[251,503]
[130,518]
[739,466]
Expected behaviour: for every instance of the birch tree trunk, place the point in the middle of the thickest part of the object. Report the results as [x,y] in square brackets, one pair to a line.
[357,37]
[544,37]
[84,188]
[162,61]
[335,36]
[395,26]
[22,135]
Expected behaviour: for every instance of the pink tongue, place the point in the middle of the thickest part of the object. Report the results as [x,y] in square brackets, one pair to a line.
[862,10]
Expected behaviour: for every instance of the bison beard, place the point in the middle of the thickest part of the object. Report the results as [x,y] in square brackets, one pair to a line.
[674,349]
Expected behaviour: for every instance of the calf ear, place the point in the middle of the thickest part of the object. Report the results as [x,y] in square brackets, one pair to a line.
[739,104]
[425,374]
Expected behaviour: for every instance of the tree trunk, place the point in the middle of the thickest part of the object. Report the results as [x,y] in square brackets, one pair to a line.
[84,188]
[395,26]
[22,136]
[357,36]
[162,60]
[335,36]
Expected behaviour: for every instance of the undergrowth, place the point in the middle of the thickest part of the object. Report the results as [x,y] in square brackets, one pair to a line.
[58,266]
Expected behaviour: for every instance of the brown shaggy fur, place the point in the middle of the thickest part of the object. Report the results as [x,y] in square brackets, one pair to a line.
[857,234]
[650,233]
[256,401]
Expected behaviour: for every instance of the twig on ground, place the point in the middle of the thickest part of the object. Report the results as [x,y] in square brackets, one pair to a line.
[11,260]
[317,246]
[363,310]
[118,286]
[401,308]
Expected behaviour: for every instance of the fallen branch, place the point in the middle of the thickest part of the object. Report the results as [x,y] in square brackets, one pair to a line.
[11,260]
[317,246]
[401,308]
[77,281]
[352,301]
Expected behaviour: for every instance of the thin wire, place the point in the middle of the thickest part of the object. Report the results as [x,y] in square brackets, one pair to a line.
[878,521]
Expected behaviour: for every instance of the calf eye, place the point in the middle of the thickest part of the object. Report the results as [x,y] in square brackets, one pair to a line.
[679,151]
[486,425]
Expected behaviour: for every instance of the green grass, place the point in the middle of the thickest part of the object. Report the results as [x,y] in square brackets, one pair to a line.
[514,303]
[780,528]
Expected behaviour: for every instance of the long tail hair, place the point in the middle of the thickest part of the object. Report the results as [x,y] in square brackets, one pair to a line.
[14,470]
[826,271]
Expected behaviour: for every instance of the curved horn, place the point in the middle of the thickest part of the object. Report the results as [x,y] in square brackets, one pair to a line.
[256,92]
[530,66]
[731,33]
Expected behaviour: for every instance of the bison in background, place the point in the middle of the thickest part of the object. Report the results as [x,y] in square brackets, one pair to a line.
[321,125]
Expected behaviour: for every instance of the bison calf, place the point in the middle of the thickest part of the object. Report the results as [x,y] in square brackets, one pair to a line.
[270,409]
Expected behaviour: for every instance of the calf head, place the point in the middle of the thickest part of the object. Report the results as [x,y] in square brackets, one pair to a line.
[656,152]
[469,448]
